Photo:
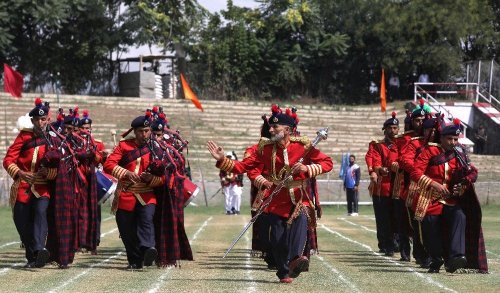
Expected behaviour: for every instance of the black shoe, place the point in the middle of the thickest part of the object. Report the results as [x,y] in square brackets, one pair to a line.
[228,213]
[456,263]
[41,258]
[29,265]
[434,266]
[150,255]
[381,250]
[389,253]
[133,267]
[404,258]
[425,264]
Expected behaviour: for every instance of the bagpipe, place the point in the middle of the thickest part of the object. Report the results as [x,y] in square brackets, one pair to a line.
[465,174]
[166,157]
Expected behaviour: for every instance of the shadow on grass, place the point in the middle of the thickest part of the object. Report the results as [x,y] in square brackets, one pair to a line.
[229,280]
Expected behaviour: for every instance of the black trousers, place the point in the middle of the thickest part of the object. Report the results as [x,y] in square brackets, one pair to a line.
[454,219]
[352,200]
[137,231]
[31,224]
[287,241]
[419,252]
[383,206]
[402,227]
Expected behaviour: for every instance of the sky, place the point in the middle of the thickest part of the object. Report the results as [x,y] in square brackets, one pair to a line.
[216,5]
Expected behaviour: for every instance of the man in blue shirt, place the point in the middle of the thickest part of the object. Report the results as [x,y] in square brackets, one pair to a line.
[351,183]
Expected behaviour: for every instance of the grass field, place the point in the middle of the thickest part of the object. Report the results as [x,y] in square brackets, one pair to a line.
[346,262]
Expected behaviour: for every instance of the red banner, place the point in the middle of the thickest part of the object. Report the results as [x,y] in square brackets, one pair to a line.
[12,81]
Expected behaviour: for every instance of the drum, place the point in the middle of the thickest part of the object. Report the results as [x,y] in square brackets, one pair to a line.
[190,191]
[106,186]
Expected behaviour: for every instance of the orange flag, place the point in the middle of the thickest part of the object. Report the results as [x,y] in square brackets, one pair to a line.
[189,94]
[382,92]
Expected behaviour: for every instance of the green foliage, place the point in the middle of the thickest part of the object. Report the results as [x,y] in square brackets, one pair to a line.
[63,41]
[323,49]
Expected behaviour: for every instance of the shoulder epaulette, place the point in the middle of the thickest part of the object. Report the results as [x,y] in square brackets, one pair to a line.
[262,143]
[303,140]
[416,137]
[376,141]
[27,129]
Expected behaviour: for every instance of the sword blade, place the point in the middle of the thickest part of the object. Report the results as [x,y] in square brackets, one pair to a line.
[239,237]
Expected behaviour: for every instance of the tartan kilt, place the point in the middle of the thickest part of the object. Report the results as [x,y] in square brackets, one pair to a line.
[475,250]
[171,239]
[87,211]
[61,218]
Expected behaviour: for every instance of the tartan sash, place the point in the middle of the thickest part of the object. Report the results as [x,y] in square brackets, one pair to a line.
[33,143]
[131,156]
[442,158]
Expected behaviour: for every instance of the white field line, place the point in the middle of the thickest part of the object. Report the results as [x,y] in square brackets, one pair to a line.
[109,232]
[9,244]
[358,225]
[18,242]
[492,253]
[156,286]
[91,266]
[85,272]
[107,219]
[338,274]
[369,217]
[248,265]
[371,230]
[425,278]
[5,270]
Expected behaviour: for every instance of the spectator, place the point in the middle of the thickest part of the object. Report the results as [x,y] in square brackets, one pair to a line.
[481,138]
[394,88]
[423,77]
[351,183]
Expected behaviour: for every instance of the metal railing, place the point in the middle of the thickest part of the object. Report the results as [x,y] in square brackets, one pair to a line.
[420,92]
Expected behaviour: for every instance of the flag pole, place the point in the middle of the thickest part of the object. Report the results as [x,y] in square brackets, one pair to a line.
[196,154]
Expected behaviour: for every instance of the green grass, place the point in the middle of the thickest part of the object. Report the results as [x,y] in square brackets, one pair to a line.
[345,263]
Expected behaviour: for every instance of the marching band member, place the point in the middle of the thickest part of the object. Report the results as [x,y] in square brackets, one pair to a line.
[135,201]
[291,212]
[32,162]
[172,242]
[447,198]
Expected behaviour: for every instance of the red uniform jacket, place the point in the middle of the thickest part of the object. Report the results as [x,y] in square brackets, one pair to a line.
[128,193]
[275,161]
[407,158]
[99,152]
[384,155]
[28,160]
[424,173]
[369,156]
[399,189]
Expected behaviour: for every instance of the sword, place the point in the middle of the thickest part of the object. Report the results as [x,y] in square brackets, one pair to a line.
[322,134]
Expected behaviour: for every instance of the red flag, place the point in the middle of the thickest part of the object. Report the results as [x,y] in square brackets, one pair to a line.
[12,81]
[382,92]
[189,94]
